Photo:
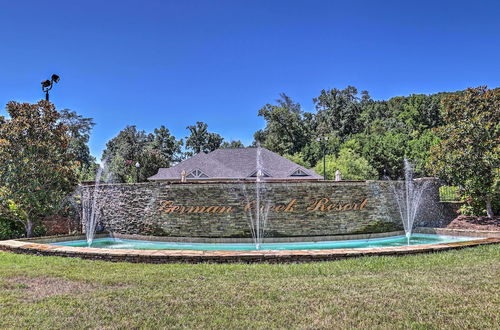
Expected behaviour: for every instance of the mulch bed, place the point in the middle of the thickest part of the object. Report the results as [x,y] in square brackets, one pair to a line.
[475,223]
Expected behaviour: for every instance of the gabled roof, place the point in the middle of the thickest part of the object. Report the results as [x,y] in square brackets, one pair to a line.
[237,163]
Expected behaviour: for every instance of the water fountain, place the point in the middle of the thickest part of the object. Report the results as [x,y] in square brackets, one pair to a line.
[258,214]
[300,211]
[91,208]
[408,194]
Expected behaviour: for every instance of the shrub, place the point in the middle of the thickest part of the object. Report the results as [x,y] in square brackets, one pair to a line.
[351,166]
[10,229]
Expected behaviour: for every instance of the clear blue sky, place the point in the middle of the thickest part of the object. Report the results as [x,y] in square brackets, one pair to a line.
[149,63]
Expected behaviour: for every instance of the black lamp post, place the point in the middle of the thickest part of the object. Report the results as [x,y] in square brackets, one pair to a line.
[322,141]
[47,85]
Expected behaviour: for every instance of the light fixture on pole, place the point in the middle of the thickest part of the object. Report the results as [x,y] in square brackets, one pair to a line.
[137,165]
[47,85]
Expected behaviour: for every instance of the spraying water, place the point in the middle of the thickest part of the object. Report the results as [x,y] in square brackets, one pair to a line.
[261,207]
[91,208]
[258,213]
[409,197]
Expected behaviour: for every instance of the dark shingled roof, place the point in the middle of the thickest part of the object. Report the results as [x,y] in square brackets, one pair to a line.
[238,163]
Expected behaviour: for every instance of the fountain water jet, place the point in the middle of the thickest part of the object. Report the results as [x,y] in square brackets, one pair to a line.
[408,196]
[91,208]
[258,215]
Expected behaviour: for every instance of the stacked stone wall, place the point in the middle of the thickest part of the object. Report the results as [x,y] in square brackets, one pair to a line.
[224,209]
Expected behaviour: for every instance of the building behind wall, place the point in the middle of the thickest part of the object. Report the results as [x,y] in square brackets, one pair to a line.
[235,164]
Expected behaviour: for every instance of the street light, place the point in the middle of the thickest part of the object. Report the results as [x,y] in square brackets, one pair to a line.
[322,140]
[47,85]
[137,165]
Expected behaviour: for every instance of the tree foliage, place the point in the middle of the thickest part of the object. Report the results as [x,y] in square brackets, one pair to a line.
[286,130]
[385,131]
[201,140]
[351,166]
[131,146]
[469,152]
[232,144]
[37,168]
[339,111]
[298,158]
[79,129]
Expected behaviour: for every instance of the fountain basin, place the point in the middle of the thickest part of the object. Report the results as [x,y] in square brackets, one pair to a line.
[391,241]
[46,247]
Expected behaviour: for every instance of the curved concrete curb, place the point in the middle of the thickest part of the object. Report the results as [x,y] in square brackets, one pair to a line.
[185,256]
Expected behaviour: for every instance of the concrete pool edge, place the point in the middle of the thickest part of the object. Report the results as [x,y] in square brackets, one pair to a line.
[193,256]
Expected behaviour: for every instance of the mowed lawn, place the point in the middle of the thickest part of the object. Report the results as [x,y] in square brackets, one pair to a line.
[456,289]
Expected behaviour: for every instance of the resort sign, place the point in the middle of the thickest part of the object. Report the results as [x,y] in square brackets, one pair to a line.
[317,205]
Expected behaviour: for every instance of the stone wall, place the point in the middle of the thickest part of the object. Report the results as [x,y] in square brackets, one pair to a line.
[223,209]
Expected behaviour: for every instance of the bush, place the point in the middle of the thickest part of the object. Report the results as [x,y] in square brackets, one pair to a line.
[449,194]
[10,229]
[351,166]
[39,230]
[473,206]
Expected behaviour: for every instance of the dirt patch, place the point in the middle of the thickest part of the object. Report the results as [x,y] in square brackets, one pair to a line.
[475,223]
[36,288]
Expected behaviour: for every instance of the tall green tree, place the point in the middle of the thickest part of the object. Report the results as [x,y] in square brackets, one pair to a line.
[339,111]
[167,145]
[37,168]
[469,152]
[385,152]
[201,140]
[132,146]
[286,131]
[79,129]
[232,144]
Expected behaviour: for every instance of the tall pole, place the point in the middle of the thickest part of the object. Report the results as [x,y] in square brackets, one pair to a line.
[137,165]
[321,141]
[324,163]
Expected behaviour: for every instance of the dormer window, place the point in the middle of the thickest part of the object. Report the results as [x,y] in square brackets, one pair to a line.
[264,175]
[196,174]
[299,172]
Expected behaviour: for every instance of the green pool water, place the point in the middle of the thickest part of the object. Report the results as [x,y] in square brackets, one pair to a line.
[416,239]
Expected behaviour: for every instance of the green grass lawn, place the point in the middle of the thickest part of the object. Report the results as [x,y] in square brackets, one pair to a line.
[455,289]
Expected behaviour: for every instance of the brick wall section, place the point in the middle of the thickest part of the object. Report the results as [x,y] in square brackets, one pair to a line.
[59,225]
[157,208]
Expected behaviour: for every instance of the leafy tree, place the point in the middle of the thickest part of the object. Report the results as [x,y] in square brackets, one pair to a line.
[385,152]
[122,152]
[232,144]
[201,140]
[419,150]
[10,227]
[286,131]
[373,111]
[130,146]
[351,166]
[340,111]
[469,152]
[36,167]
[313,151]
[79,129]
[167,145]
[298,158]
[421,111]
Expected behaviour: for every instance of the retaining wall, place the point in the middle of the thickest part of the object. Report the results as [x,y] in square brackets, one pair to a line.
[223,210]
